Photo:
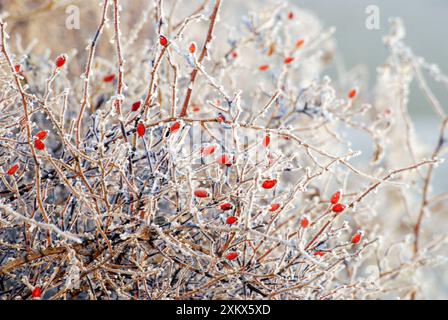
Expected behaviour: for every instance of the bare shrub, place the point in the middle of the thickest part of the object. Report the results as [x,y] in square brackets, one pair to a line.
[214,161]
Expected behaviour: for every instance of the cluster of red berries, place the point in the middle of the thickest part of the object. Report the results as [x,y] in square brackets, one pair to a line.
[337,207]
[141,128]
[227,206]
[39,143]
[288,59]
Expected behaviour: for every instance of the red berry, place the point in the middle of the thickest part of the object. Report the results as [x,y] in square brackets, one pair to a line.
[39,145]
[109,78]
[223,160]
[267,141]
[42,135]
[192,48]
[141,129]
[220,118]
[352,94]
[300,43]
[226,206]
[269,184]
[208,150]
[136,106]
[163,41]
[200,193]
[338,208]
[61,60]
[319,253]
[36,293]
[195,108]
[274,207]
[17,68]
[232,256]
[234,54]
[291,15]
[231,220]
[175,127]
[335,197]
[357,238]
[13,170]
[264,67]
[288,60]
[304,223]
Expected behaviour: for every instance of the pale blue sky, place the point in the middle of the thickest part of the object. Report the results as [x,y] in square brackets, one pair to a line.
[426,24]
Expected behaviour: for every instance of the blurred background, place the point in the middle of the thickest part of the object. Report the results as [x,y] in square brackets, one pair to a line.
[425,22]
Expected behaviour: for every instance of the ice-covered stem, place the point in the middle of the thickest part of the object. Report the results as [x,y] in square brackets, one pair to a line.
[120,62]
[27,125]
[88,71]
[201,58]
[46,226]
[426,184]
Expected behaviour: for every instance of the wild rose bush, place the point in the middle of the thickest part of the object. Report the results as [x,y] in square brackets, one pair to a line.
[213,161]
